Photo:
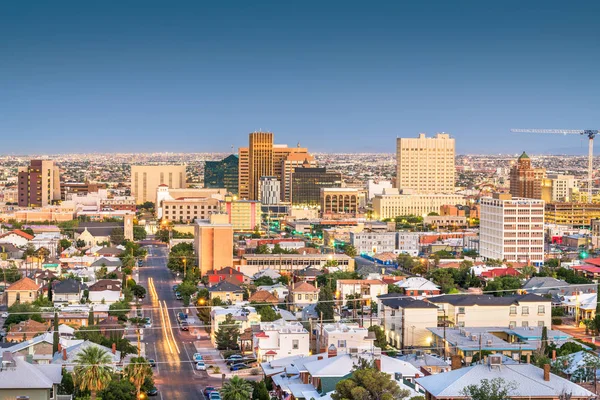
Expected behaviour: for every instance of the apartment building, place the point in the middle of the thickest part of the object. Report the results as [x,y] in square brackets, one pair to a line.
[38,184]
[405,320]
[426,165]
[189,209]
[245,317]
[342,336]
[373,242]
[512,229]
[145,180]
[213,242]
[391,203]
[244,215]
[573,214]
[408,243]
[280,339]
[527,310]
[366,289]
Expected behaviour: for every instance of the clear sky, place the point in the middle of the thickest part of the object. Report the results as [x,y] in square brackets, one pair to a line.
[334,75]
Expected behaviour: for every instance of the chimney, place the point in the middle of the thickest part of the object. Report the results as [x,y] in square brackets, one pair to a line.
[547,372]
[332,351]
[417,376]
[114,348]
[553,355]
[319,357]
[378,364]
[64,351]
[455,362]
[528,359]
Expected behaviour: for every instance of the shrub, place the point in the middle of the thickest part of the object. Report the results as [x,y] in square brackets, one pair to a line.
[216,369]
[558,312]
[255,371]
[557,321]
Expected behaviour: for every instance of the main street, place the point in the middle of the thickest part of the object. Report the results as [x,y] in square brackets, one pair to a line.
[173,349]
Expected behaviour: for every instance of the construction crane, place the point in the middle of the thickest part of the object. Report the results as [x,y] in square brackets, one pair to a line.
[590,133]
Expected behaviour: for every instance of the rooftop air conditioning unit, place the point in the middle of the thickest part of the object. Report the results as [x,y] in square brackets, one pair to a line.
[489,342]
[473,337]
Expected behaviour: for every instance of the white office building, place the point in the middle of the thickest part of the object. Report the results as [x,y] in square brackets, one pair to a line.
[269,190]
[373,242]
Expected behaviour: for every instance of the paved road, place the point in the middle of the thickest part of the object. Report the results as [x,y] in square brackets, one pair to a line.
[175,375]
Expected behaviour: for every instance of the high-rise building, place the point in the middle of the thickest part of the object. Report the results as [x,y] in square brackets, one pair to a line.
[512,229]
[244,215]
[526,181]
[308,182]
[222,174]
[426,165]
[262,158]
[270,190]
[145,179]
[293,161]
[391,203]
[213,242]
[38,184]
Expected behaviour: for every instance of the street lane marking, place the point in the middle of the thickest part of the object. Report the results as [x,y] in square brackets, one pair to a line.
[170,327]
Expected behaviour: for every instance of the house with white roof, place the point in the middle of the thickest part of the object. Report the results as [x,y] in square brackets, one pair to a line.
[105,291]
[17,238]
[280,339]
[244,316]
[418,286]
[279,289]
[366,289]
[527,382]
[20,379]
[67,356]
[343,337]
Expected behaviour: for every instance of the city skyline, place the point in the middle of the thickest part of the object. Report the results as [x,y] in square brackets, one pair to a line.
[90,76]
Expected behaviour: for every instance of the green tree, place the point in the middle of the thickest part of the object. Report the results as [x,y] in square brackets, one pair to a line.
[139,291]
[236,389]
[92,370]
[64,243]
[139,233]
[380,340]
[262,249]
[228,334]
[267,314]
[350,250]
[137,371]
[495,389]
[117,236]
[503,286]
[22,312]
[119,309]
[119,389]
[67,386]
[55,337]
[260,391]
[264,281]
[102,271]
[187,289]
[80,244]
[163,235]
[369,384]
[91,318]
[324,307]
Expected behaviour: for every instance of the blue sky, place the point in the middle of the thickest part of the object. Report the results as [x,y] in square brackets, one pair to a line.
[334,75]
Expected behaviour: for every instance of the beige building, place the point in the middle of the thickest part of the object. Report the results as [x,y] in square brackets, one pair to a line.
[244,215]
[245,317]
[250,264]
[24,290]
[262,158]
[213,242]
[391,203]
[189,209]
[145,180]
[337,202]
[38,184]
[405,320]
[343,336]
[426,165]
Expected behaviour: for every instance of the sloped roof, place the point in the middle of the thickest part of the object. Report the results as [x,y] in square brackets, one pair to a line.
[18,232]
[107,262]
[106,284]
[68,286]
[30,376]
[417,283]
[523,156]
[98,228]
[262,296]
[496,272]
[24,284]
[304,287]
[225,286]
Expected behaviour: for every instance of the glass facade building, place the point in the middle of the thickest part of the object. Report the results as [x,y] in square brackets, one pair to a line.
[308,182]
[222,174]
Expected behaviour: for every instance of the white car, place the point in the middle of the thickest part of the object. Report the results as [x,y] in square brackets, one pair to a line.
[5,315]
[200,366]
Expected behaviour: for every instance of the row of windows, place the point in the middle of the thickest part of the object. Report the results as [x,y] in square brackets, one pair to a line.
[189,207]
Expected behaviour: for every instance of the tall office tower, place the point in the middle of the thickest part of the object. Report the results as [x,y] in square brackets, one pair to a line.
[145,180]
[38,184]
[426,165]
[293,161]
[222,174]
[269,191]
[526,181]
[307,184]
[213,242]
[261,158]
[512,229]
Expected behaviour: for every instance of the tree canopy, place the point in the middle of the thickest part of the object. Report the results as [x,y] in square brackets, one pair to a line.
[369,384]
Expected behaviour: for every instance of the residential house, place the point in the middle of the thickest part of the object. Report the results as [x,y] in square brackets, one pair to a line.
[17,238]
[25,290]
[10,251]
[343,337]
[498,273]
[20,379]
[25,330]
[94,233]
[111,251]
[245,316]
[308,274]
[366,290]
[67,356]
[69,291]
[547,285]
[418,286]
[302,295]
[279,290]
[427,363]
[280,339]
[39,349]
[216,276]
[527,310]
[105,291]
[529,382]
[43,277]
[406,320]
[263,297]
[268,272]
[75,316]
[110,327]
[227,291]
[111,263]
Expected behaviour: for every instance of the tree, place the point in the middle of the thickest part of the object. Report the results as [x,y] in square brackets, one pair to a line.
[443,278]
[495,389]
[544,338]
[503,286]
[66,384]
[119,309]
[139,291]
[80,244]
[119,389]
[55,337]
[22,312]
[163,235]
[228,334]
[139,233]
[117,236]
[262,249]
[92,370]
[187,289]
[267,314]
[64,243]
[324,307]
[236,389]
[260,391]
[369,384]
[91,318]
[264,281]
[137,371]
[380,340]
[102,271]
[350,250]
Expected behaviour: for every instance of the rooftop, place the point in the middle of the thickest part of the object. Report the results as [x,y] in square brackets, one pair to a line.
[24,284]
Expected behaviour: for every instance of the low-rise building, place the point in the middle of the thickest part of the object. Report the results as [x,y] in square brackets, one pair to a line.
[227,292]
[69,291]
[105,291]
[343,337]
[373,242]
[216,276]
[263,297]
[25,290]
[25,330]
[408,243]
[20,379]
[67,356]
[245,317]
[366,290]
[17,238]
[418,286]
[406,320]
[280,339]
[302,295]
[427,363]
[279,290]
[250,264]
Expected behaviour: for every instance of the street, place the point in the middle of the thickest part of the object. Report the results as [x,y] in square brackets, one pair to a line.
[173,349]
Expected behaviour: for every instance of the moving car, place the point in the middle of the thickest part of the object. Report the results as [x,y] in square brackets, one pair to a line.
[198,357]
[238,367]
[184,326]
[181,316]
[152,392]
[152,362]
[201,366]
[147,323]
[214,396]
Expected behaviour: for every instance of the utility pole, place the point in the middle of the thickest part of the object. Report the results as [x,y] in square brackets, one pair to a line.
[138,341]
[444,349]
[320,334]
[402,331]
[480,355]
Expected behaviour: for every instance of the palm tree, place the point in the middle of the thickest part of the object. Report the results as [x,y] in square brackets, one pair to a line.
[236,389]
[137,372]
[93,370]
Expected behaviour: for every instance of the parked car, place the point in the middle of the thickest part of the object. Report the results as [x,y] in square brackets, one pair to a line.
[181,316]
[235,358]
[148,323]
[238,367]
[5,315]
[214,396]
[200,366]
[178,296]
[208,390]
[152,392]
[198,357]
[184,326]
[152,362]
[175,287]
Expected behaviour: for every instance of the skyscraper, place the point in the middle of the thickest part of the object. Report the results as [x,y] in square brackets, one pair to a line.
[38,184]
[526,181]
[145,179]
[426,165]
[270,190]
[308,182]
[222,174]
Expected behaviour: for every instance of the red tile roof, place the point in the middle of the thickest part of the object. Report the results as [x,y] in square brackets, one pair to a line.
[593,261]
[24,284]
[587,268]
[304,287]
[496,272]
[19,233]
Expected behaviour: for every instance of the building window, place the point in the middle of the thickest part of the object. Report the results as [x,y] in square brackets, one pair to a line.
[525,310]
[541,324]
[306,296]
[341,344]
[295,344]
[299,297]
[512,324]
[541,309]
[461,310]
[393,327]
[525,324]
[513,310]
